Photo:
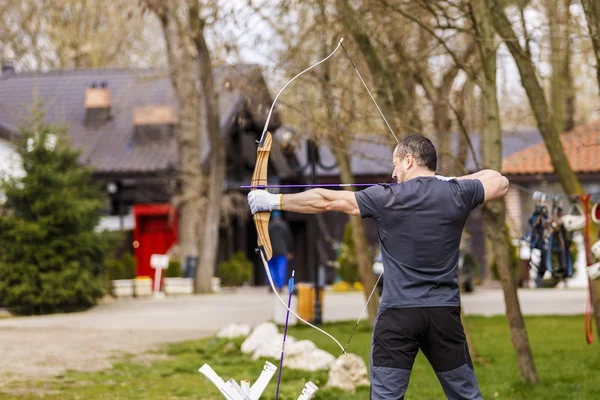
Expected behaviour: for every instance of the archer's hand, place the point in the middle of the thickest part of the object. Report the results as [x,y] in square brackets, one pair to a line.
[261,200]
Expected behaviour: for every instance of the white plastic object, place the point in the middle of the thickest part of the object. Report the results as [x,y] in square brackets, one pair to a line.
[263,380]
[594,271]
[596,250]
[536,257]
[309,391]
[245,386]
[524,250]
[280,312]
[595,217]
[235,391]
[573,222]
[216,380]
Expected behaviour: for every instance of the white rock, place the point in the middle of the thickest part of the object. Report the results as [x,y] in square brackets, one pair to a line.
[272,348]
[234,331]
[304,355]
[262,333]
[348,372]
[302,347]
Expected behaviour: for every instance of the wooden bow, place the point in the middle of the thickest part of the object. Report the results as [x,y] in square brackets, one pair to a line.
[259,177]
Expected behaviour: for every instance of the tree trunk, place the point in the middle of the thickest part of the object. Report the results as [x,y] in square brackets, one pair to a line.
[183,72]
[496,230]
[537,100]
[443,124]
[494,213]
[558,15]
[592,14]
[212,220]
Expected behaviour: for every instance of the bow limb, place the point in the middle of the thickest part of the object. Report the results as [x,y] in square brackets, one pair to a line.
[259,177]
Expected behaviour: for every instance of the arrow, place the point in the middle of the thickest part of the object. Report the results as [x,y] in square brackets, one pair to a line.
[316,185]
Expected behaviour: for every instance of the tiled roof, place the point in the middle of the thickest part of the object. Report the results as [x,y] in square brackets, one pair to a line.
[111,147]
[582,146]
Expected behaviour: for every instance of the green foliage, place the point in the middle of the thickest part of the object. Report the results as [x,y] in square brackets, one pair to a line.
[120,268]
[348,266]
[236,271]
[174,270]
[114,267]
[52,257]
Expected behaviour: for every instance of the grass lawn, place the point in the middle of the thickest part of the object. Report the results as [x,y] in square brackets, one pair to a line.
[567,366]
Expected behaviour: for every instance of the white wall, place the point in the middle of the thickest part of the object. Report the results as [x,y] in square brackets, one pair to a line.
[10,163]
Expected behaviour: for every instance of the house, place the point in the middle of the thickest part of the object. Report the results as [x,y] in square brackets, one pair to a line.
[122,121]
[9,158]
[530,170]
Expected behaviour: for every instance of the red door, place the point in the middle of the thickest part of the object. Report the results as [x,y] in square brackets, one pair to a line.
[155,232]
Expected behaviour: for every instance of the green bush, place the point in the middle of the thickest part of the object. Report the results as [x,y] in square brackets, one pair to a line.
[348,267]
[174,270]
[120,268]
[236,271]
[115,267]
[51,257]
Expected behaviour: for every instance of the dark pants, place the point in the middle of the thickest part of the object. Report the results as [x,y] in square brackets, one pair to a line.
[399,334]
[278,268]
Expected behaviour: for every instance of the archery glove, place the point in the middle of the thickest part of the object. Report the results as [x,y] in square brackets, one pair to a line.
[261,200]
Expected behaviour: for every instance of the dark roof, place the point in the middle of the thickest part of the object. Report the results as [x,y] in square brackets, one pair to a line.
[372,156]
[513,141]
[110,147]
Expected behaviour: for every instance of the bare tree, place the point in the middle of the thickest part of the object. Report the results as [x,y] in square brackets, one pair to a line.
[393,97]
[77,34]
[210,244]
[494,212]
[543,114]
[183,24]
[561,84]
[592,14]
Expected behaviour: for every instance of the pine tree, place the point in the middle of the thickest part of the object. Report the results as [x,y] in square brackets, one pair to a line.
[51,257]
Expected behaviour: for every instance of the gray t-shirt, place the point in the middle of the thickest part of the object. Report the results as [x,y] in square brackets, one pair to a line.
[420,223]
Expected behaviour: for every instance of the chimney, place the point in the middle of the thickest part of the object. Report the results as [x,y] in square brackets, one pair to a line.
[97,104]
[153,123]
[8,69]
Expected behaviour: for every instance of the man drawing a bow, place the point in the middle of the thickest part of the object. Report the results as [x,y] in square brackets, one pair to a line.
[419,221]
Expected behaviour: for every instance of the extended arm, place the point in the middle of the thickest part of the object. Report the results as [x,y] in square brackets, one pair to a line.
[314,201]
[494,183]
